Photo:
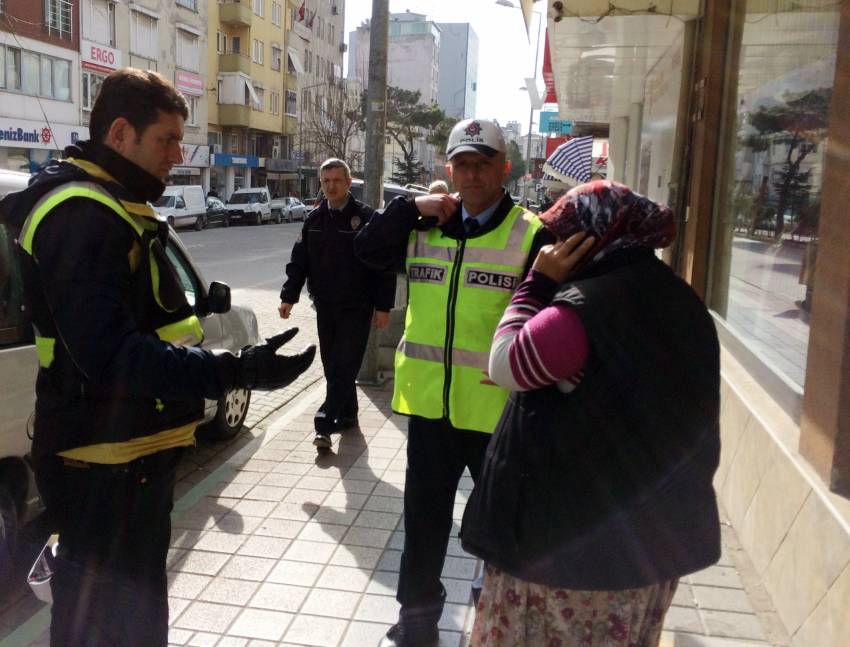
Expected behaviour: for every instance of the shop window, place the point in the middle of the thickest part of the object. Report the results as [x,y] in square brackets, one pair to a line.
[767,239]
[192,104]
[291,101]
[57,17]
[276,13]
[91,87]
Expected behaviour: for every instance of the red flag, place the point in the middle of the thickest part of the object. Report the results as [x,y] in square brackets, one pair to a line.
[301,11]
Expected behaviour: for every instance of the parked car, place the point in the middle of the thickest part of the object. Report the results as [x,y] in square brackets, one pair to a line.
[391,191]
[183,206]
[294,209]
[225,327]
[217,212]
[252,205]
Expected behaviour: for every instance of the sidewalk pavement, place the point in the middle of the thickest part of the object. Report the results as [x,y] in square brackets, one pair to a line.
[276,545]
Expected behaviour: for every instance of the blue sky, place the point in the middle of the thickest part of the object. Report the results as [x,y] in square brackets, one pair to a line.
[505,57]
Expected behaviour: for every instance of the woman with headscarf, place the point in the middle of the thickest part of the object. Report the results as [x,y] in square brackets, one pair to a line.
[596,493]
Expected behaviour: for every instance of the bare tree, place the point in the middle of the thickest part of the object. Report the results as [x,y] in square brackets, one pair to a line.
[332,121]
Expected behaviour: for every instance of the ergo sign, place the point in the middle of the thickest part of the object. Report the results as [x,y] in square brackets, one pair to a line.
[99,56]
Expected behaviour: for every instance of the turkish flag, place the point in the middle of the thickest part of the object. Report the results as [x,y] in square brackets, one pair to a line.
[301,11]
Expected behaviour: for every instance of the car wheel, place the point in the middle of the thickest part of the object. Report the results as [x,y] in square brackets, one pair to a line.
[170,221]
[199,222]
[258,218]
[226,220]
[8,533]
[229,417]
[289,216]
[277,217]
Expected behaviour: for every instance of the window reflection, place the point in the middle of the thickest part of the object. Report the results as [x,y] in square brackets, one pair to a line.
[767,247]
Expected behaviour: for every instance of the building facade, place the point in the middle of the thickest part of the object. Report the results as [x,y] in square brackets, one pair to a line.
[735,115]
[458,80]
[39,81]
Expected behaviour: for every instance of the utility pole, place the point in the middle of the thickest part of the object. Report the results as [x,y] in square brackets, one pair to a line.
[376,121]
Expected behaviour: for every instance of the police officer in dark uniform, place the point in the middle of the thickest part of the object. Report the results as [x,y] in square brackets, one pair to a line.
[348,295]
[121,381]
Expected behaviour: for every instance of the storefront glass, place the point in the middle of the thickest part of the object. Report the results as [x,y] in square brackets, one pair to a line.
[767,237]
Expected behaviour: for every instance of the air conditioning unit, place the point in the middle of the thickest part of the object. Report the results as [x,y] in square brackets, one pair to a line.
[343,48]
[334,10]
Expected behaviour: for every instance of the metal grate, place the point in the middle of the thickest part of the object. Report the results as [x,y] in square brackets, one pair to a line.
[57,18]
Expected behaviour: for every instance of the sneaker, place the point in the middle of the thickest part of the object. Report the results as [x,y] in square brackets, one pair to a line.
[322,441]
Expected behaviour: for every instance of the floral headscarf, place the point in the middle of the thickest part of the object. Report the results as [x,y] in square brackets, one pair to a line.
[610,212]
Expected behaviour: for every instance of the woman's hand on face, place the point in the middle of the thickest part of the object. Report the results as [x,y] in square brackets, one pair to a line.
[558,260]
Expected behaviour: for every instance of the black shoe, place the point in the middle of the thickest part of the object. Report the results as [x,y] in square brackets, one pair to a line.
[346,423]
[400,635]
[322,441]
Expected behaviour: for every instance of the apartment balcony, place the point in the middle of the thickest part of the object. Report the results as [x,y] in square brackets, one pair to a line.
[290,125]
[233,12]
[234,63]
[233,114]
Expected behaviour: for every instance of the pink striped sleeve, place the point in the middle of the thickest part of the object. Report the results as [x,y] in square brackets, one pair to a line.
[536,345]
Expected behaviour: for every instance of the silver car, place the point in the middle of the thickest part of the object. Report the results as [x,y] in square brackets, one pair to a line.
[294,209]
[225,327]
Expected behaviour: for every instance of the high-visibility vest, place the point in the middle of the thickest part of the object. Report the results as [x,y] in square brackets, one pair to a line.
[175,320]
[457,293]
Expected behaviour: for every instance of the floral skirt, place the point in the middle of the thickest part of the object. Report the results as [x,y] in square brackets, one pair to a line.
[512,612]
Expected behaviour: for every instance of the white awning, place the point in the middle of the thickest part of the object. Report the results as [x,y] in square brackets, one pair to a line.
[296,62]
[251,90]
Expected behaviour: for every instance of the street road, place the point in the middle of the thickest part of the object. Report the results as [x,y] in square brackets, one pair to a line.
[243,256]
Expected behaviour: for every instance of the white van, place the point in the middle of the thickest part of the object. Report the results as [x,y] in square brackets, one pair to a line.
[183,206]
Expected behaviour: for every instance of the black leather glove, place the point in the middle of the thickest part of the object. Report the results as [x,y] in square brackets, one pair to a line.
[261,368]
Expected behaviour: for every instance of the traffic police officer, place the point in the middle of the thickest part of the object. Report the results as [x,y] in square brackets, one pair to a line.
[121,381]
[345,291]
[463,255]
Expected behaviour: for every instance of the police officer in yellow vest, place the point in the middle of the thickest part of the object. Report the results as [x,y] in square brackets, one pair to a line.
[122,382]
[463,255]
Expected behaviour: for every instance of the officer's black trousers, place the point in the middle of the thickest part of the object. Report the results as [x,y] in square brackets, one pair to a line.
[437,454]
[109,584]
[343,332]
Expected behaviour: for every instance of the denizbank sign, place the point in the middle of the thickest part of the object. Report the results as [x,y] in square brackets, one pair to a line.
[24,133]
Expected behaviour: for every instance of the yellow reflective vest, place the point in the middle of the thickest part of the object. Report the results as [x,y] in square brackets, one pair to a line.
[457,293]
[174,319]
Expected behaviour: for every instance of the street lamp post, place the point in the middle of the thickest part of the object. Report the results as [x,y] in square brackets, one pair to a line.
[301,133]
[508,3]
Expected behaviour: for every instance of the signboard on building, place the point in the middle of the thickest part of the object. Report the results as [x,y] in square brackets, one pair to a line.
[23,133]
[195,155]
[189,83]
[223,159]
[94,56]
[550,123]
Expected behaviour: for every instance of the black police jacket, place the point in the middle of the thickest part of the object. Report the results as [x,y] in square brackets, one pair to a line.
[609,487]
[110,368]
[324,257]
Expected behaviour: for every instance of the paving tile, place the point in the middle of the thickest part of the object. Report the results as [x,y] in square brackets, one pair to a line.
[362,634]
[367,537]
[383,583]
[206,616]
[176,606]
[379,520]
[343,578]
[248,478]
[390,561]
[348,500]
[283,528]
[298,573]
[291,468]
[203,639]
[295,511]
[354,486]
[267,493]
[234,490]
[458,591]
[717,576]
[683,619]
[263,546]
[459,567]
[359,556]
[280,597]
[377,608]
[203,563]
[310,551]
[280,480]
[244,567]
[339,516]
[722,599]
[387,489]
[184,538]
[256,465]
[396,540]
[384,504]
[326,532]
[334,604]
[299,496]
[454,617]
[220,542]
[178,636]
[360,474]
[249,508]
[315,630]
[186,585]
[228,591]
[261,623]
[317,483]
[733,625]
[232,641]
